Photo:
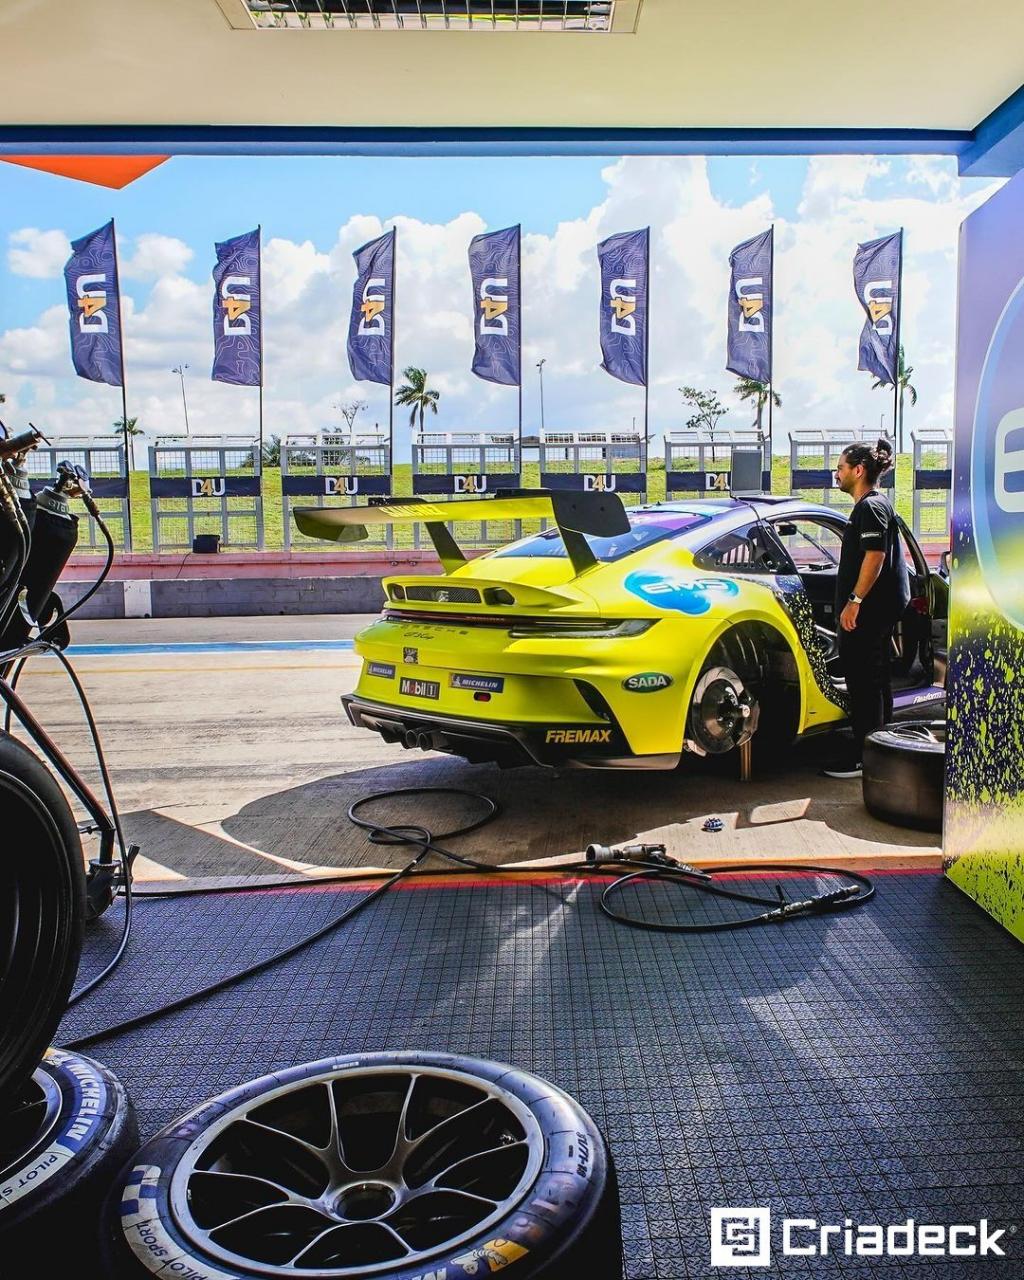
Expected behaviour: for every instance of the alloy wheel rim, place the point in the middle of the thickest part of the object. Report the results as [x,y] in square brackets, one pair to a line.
[356,1171]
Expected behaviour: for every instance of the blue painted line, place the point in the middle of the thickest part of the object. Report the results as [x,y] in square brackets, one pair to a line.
[227,646]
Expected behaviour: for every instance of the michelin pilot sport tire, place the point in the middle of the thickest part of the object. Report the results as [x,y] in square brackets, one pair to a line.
[42,912]
[382,1184]
[904,773]
[61,1148]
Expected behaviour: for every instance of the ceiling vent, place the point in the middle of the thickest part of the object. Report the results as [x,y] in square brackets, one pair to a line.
[582,16]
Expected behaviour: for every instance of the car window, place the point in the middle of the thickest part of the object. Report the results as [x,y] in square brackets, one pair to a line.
[645,528]
[743,550]
[810,543]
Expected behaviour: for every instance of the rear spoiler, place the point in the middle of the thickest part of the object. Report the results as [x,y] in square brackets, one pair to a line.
[601,515]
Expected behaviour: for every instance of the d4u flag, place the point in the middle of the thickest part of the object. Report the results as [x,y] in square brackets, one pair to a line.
[94,306]
[750,308]
[624,260]
[237,320]
[371,329]
[877,269]
[494,267]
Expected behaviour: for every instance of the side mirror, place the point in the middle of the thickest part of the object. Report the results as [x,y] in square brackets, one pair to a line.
[944,564]
[786,530]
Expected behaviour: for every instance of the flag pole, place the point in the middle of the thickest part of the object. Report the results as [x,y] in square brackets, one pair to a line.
[519,315]
[391,365]
[647,347]
[897,424]
[259,290]
[771,360]
[128,538]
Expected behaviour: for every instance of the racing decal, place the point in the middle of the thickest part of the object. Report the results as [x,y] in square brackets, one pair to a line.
[647,682]
[573,737]
[496,1254]
[147,1237]
[87,1110]
[484,684]
[789,591]
[420,688]
[385,670]
[410,656]
[685,595]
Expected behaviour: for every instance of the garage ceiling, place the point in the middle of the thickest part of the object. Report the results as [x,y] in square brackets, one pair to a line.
[675,64]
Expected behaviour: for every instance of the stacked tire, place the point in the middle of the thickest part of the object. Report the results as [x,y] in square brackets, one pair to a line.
[905,772]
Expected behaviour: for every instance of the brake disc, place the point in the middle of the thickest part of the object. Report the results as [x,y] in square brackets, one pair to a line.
[724,713]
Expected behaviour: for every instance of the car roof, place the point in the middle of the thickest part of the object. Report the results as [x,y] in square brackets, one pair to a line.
[766,505]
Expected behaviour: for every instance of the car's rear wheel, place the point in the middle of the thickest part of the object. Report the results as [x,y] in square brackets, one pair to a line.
[723,710]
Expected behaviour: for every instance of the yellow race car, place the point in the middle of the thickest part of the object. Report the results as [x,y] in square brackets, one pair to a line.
[615,638]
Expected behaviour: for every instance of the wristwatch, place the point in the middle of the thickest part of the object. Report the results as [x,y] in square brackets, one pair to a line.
[854,598]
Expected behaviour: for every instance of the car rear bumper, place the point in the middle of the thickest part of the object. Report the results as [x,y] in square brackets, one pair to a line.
[582,746]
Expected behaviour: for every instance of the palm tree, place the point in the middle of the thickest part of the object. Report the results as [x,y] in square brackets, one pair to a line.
[414,392]
[907,388]
[272,452]
[751,389]
[131,429]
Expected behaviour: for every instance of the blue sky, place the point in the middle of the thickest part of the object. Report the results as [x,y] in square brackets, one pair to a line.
[314,211]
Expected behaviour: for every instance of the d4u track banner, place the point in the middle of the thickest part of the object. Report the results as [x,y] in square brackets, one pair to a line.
[94,307]
[877,267]
[237,319]
[371,330]
[750,308]
[494,267]
[625,263]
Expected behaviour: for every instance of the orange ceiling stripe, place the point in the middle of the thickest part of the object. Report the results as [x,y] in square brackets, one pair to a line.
[104,171]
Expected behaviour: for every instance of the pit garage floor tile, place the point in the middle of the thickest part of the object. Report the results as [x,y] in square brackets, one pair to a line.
[868,1064]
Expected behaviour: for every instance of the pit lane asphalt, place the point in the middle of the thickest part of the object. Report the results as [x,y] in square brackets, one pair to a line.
[231,757]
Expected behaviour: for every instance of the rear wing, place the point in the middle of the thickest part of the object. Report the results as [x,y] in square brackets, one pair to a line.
[601,515]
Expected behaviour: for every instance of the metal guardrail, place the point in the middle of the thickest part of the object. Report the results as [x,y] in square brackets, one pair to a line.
[104,461]
[206,485]
[448,464]
[699,464]
[334,469]
[932,486]
[813,456]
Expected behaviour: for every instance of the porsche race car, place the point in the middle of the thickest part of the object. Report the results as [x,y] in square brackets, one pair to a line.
[620,638]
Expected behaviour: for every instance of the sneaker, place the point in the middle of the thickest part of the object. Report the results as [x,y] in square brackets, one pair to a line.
[844,771]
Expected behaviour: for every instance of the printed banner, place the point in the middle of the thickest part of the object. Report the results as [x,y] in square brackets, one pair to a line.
[751,308]
[94,307]
[624,260]
[371,327]
[237,320]
[983,837]
[494,267]
[876,277]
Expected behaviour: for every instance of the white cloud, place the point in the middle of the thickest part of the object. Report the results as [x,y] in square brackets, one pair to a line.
[39,254]
[154,256]
[308,287]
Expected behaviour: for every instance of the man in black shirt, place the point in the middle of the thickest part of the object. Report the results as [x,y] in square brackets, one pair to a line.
[872,591]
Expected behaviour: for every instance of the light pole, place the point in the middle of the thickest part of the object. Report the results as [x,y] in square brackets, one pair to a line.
[540,370]
[179,369]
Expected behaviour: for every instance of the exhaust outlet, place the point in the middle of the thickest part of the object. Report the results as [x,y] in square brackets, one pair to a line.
[410,739]
[425,741]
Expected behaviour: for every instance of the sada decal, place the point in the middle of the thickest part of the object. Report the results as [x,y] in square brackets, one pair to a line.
[693,596]
[647,682]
